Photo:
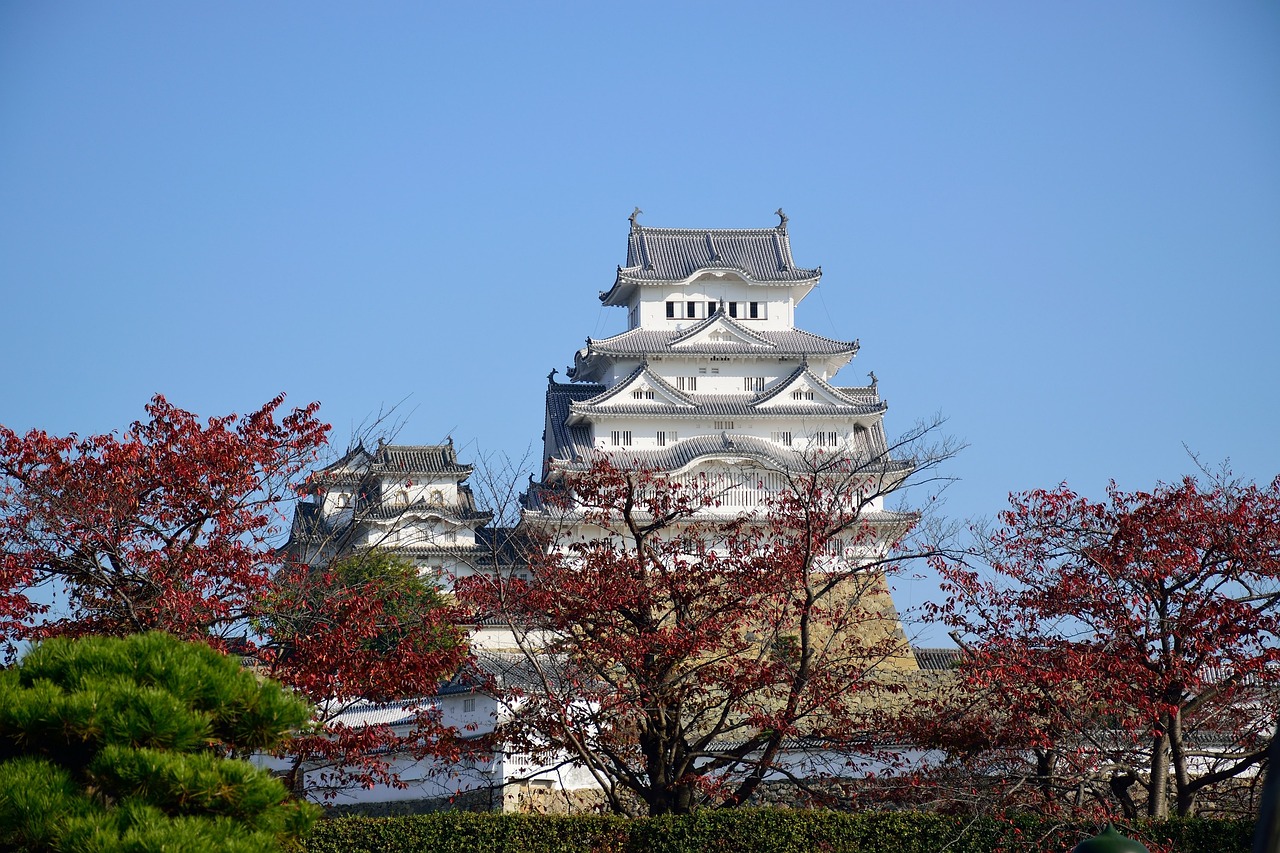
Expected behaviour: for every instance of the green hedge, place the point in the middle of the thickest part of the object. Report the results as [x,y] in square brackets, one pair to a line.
[750,831]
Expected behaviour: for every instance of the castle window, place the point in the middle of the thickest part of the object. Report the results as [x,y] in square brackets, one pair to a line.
[469,705]
[802,395]
[642,394]
[724,424]
[621,437]
[782,437]
[437,497]
[826,439]
[686,383]
[733,309]
[753,383]
[664,436]
[711,308]
[344,500]
[756,310]
[671,310]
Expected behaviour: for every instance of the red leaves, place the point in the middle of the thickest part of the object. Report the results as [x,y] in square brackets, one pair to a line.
[1148,617]
[678,648]
[164,526]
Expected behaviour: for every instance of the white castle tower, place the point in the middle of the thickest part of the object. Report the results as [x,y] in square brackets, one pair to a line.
[712,371]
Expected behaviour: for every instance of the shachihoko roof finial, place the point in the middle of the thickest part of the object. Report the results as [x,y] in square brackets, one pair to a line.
[782,226]
[551,377]
[874,381]
[632,218]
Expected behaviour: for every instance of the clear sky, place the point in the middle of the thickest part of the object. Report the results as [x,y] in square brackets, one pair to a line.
[1058,224]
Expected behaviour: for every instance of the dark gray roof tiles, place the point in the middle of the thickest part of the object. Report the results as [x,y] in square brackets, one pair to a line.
[793,343]
[308,524]
[418,459]
[358,463]
[673,254]
[654,381]
[749,337]
[937,659]
[813,379]
[559,397]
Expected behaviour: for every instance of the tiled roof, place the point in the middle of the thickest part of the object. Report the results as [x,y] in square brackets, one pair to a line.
[417,459]
[308,523]
[785,342]
[937,659]
[674,254]
[359,463]
[559,397]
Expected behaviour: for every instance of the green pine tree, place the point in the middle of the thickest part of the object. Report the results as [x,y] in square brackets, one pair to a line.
[113,745]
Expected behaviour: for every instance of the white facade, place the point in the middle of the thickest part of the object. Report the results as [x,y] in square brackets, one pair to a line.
[712,376]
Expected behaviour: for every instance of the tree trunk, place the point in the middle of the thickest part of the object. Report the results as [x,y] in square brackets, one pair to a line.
[1158,785]
[1186,796]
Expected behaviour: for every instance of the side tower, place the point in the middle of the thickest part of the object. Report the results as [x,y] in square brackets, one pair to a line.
[409,500]
[713,381]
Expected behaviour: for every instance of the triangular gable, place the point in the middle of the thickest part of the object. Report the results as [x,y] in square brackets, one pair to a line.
[642,388]
[804,388]
[719,330]
[350,469]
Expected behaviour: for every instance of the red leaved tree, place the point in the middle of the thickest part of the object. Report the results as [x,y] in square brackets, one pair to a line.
[1121,646]
[165,526]
[363,632]
[171,526]
[684,653]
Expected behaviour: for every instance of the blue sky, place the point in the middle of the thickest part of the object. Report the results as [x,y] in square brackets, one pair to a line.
[1058,224]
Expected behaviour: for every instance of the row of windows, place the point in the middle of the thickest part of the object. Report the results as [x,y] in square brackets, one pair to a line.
[690,383]
[694,309]
[623,437]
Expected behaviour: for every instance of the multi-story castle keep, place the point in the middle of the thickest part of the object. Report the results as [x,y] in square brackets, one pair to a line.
[711,379]
[711,370]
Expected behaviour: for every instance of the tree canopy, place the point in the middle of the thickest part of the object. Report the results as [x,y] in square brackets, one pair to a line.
[166,526]
[121,744]
[1128,644]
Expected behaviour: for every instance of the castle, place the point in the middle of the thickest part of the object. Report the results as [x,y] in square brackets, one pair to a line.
[711,379]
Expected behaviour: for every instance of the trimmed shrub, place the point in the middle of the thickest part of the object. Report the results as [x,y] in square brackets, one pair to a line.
[752,831]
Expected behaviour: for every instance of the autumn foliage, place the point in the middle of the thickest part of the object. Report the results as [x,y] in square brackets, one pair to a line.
[367,629]
[166,526]
[684,655]
[1118,655]
[172,526]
